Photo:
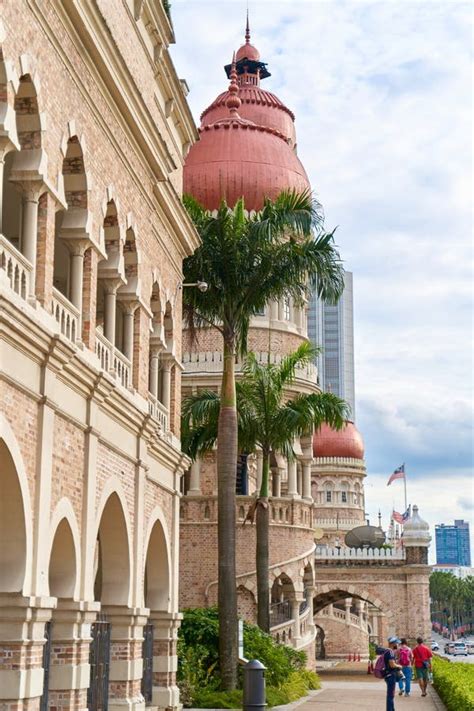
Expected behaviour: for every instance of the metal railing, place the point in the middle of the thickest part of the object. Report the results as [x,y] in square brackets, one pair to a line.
[99,660]
[147,654]
[280,612]
[16,266]
[66,315]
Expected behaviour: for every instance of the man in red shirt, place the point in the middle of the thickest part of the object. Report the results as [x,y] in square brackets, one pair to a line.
[422,655]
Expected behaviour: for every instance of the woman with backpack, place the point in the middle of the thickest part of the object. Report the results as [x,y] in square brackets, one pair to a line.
[405,659]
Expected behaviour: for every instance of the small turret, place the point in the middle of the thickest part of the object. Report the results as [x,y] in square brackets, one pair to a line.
[416,538]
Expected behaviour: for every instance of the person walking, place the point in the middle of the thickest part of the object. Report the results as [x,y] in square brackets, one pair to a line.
[422,656]
[405,659]
[391,668]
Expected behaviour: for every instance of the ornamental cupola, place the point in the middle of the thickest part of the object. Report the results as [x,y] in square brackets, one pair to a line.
[247,141]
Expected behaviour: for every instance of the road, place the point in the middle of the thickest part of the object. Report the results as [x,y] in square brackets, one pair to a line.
[441,641]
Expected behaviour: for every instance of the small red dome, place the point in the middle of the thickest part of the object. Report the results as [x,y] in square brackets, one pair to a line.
[236,158]
[347,442]
[247,51]
[260,106]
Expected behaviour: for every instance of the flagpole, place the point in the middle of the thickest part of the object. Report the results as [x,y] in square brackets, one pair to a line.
[405,487]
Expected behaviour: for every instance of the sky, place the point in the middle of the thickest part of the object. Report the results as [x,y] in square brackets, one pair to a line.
[383,102]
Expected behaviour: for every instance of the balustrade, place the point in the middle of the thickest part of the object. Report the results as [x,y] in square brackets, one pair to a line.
[158,411]
[324,552]
[16,266]
[66,315]
[112,360]
[280,612]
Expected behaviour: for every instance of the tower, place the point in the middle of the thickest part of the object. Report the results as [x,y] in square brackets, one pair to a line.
[247,148]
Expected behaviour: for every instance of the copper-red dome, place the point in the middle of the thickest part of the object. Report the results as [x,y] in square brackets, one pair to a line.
[260,106]
[236,158]
[347,442]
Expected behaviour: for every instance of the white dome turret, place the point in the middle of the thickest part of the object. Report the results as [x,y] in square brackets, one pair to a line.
[416,532]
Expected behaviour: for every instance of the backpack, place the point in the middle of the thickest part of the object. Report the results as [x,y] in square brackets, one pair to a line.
[379,669]
[404,657]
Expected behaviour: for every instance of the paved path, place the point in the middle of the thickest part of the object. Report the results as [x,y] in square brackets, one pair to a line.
[356,695]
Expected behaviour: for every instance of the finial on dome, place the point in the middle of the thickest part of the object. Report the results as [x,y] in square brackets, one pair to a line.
[247,29]
[233,102]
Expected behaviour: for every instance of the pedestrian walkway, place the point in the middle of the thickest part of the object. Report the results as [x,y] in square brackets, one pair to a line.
[362,695]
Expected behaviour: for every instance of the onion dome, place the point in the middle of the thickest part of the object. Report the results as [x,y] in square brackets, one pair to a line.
[345,443]
[416,532]
[238,157]
[247,51]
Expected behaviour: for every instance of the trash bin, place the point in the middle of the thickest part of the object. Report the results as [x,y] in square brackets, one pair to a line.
[254,686]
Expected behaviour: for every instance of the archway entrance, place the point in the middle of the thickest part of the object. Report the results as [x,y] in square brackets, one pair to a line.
[320,649]
[12,526]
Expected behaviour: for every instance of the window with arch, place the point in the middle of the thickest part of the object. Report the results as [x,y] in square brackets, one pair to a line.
[286,308]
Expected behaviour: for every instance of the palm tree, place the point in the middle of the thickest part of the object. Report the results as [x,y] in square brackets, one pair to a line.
[248,260]
[268,420]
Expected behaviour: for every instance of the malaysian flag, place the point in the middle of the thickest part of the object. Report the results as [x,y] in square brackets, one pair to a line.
[401,518]
[397,474]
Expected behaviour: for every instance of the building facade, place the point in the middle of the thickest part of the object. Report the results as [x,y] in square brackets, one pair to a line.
[453,544]
[247,147]
[94,128]
[331,326]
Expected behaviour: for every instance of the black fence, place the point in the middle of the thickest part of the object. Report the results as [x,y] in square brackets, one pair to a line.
[99,660]
[46,665]
[147,679]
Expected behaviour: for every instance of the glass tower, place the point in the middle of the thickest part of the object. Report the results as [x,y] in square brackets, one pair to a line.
[332,327]
[452,543]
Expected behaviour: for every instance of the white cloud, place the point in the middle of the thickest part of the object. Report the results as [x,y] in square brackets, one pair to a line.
[382,95]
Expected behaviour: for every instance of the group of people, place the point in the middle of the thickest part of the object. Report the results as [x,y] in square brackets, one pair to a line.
[400,661]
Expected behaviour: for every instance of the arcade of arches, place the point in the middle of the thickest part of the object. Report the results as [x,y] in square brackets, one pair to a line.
[92,239]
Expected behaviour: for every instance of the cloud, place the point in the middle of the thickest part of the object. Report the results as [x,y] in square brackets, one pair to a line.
[382,97]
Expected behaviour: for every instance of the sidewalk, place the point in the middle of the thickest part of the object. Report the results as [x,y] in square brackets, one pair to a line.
[361,695]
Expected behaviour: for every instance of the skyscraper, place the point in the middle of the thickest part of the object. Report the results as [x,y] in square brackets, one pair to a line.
[332,327]
[452,543]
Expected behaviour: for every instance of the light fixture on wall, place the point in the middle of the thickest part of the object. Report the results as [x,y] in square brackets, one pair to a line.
[201,285]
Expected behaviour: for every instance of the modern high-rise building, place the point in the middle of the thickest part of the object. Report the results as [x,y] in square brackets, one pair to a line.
[452,544]
[332,328]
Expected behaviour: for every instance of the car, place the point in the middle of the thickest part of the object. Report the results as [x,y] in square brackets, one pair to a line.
[460,649]
[449,647]
[470,647]
[434,647]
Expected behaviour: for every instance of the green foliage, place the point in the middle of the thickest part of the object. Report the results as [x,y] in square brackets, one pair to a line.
[167,7]
[198,664]
[454,682]
[372,651]
[452,599]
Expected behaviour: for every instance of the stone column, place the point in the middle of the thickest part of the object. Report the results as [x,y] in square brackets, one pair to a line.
[295,615]
[276,482]
[69,673]
[154,370]
[281,310]
[195,478]
[360,609]
[306,465]
[348,603]
[299,478]
[128,333]
[89,298]
[22,639]
[166,383]
[44,271]
[110,306]
[274,310]
[29,232]
[126,662]
[165,660]
[292,479]
[77,275]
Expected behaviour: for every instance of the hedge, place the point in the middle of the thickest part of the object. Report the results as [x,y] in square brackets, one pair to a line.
[454,682]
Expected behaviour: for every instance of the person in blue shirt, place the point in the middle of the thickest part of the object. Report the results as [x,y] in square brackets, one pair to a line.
[391,671]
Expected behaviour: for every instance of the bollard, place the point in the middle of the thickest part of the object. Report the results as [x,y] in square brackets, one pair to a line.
[368,668]
[254,686]
[358,657]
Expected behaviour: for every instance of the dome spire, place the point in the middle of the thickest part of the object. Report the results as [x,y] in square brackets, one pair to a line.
[247,29]
[233,102]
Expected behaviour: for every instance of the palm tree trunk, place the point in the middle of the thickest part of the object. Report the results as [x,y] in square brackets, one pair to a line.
[262,549]
[226,522]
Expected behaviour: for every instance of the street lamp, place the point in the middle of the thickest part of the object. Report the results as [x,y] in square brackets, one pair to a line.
[201,285]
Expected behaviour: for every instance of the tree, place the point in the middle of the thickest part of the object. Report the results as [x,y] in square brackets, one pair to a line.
[247,260]
[269,420]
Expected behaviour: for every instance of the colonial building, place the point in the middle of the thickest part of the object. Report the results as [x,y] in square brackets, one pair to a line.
[94,126]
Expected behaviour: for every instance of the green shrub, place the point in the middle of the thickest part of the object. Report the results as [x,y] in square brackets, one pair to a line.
[372,651]
[454,682]
[198,664]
